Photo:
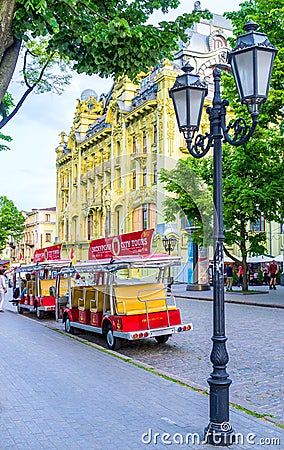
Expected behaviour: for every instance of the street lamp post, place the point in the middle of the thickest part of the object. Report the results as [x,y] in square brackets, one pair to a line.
[251,62]
[282,274]
[12,250]
[169,244]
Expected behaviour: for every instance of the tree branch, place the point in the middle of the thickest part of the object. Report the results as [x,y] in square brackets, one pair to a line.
[6,119]
[3,111]
[231,256]
[89,8]
[95,12]
[7,66]
[24,69]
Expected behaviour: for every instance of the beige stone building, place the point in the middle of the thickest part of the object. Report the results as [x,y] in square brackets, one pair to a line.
[40,227]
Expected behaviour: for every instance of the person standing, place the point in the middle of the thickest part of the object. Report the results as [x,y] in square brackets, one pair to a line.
[240,275]
[3,288]
[83,281]
[273,269]
[229,275]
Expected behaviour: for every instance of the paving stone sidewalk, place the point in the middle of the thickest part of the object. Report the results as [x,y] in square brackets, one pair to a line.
[60,393]
[259,296]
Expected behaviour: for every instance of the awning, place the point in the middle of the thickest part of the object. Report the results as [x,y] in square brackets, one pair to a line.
[4,262]
[229,260]
[260,259]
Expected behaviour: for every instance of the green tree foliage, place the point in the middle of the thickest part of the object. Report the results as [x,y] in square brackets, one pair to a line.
[253,174]
[11,222]
[5,107]
[192,198]
[106,37]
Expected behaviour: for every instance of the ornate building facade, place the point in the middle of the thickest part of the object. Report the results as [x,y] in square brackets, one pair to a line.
[108,164]
[39,232]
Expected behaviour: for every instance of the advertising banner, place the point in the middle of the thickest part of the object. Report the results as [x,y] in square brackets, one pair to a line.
[48,254]
[130,244]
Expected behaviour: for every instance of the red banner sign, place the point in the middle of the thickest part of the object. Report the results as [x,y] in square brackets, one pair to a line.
[136,243]
[48,254]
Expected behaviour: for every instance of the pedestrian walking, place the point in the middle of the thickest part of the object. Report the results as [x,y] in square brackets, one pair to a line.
[265,276]
[240,275]
[273,269]
[229,275]
[3,288]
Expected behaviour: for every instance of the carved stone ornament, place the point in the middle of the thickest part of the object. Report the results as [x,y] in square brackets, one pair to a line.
[141,158]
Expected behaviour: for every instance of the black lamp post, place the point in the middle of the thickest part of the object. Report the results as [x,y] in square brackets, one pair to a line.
[251,62]
[12,250]
[169,244]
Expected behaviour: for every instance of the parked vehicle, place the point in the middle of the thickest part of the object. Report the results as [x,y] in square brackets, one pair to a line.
[120,298]
[36,287]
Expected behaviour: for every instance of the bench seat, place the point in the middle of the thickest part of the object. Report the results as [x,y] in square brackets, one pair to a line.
[140,298]
[45,286]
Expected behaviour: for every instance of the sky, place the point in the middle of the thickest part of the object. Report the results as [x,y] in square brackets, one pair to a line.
[28,169]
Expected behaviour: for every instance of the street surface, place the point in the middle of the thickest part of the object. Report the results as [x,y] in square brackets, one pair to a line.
[255,346]
[56,392]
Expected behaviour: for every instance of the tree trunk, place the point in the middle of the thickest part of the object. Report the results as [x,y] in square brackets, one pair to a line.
[9,45]
[245,274]
[244,258]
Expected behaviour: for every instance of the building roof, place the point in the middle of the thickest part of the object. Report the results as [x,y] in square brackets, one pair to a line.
[52,208]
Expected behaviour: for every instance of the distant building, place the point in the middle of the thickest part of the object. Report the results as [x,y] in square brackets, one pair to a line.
[40,226]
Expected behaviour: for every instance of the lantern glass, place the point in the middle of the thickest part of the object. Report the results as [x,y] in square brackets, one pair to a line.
[179,99]
[188,94]
[252,61]
[264,70]
[252,72]
[195,107]
[188,104]
[243,72]
[173,242]
[165,241]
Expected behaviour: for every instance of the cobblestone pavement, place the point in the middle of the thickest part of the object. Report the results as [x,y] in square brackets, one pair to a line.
[57,393]
[255,347]
[257,295]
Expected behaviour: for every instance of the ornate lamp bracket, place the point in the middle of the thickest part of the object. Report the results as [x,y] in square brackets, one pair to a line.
[199,145]
[242,132]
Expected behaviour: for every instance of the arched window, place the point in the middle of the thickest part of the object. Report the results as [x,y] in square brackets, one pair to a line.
[144,142]
[144,177]
[218,42]
[144,217]
[118,219]
[74,229]
[90,226]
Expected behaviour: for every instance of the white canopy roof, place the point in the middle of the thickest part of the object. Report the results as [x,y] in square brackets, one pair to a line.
[279,258]
[230,260]
[260,259]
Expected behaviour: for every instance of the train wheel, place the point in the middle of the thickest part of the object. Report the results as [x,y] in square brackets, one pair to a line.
[112,341]
[162,339]
[39,313]
[67,325]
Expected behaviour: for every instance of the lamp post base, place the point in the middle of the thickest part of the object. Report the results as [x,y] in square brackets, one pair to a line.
[198,287]
[219,434]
